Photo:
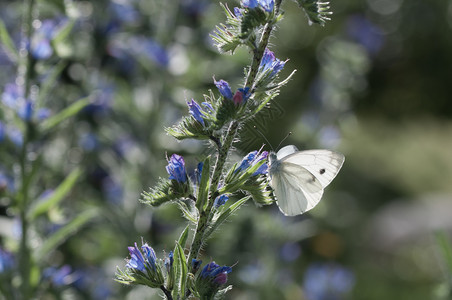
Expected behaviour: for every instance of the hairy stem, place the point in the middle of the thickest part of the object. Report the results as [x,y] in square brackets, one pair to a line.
[205,214]
[259,51]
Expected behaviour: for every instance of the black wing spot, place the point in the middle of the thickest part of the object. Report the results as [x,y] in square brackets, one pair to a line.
[322,171]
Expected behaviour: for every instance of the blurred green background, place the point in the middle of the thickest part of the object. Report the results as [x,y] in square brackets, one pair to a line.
[374,83]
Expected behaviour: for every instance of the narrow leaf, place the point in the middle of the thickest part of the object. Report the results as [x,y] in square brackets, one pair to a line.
[60,192]
[446,249]
[64,114]
[183,237]
[64,233]
[8,43]
[180,271]
[63,32]
[50,81]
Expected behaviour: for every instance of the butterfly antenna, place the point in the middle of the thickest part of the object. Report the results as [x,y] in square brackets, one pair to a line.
[290,133]
[263,137]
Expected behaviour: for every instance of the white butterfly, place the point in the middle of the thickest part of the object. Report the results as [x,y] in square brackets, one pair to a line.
[299,177]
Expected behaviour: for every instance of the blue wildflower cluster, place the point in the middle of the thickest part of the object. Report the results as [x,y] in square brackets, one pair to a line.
[239,97]
[176,168]
[211,278]
[251,160]
[266,5]
[143,267]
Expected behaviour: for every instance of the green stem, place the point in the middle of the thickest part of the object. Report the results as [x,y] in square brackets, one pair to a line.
[213,193]
[259,51]
[24,75]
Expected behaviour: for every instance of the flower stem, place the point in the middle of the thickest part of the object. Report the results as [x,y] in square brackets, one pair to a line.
[24,75]
[205,214]
[259,51]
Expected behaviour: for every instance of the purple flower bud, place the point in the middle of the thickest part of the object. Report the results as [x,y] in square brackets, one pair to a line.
[267,5]
[195,264]
[238,12]
[25,112]
[176,168]
[196,111]
[250,3]
[270,62]
[6,261]
[136,260]
[220,200]
[241,96]
[224,88]
[246,161]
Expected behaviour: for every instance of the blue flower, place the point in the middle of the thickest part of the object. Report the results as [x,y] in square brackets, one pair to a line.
[169,261]
[224,88]
[241,96]
[40,47]
[61,276]
[176,168]
[246,161]
[198,173]
[149,49]
[251,159]
[195,264]
[196,111]
[238,12]
[220,200]
[142,267]
[270,62]
[13,97]
[215,273]
[15,136]
[327,281]
[141,262]
[6,261]
[210,279]
[267,5]
[250,3]
[2,131]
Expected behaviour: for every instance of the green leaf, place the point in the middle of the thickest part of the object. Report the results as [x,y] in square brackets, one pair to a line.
[159,194]
[63,32]
[8,43]
[203,188]
[58,194]
[180,271]
[218,220]
[189,210]
[446,249]
[65,232]
[316,11]
[183,237]
[50,81]
[189,128]
[66,113]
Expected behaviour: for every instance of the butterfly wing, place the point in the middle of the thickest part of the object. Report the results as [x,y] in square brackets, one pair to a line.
[296,189]
[323,164]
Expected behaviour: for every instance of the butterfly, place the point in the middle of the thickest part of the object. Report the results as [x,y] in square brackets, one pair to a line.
[299,177]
